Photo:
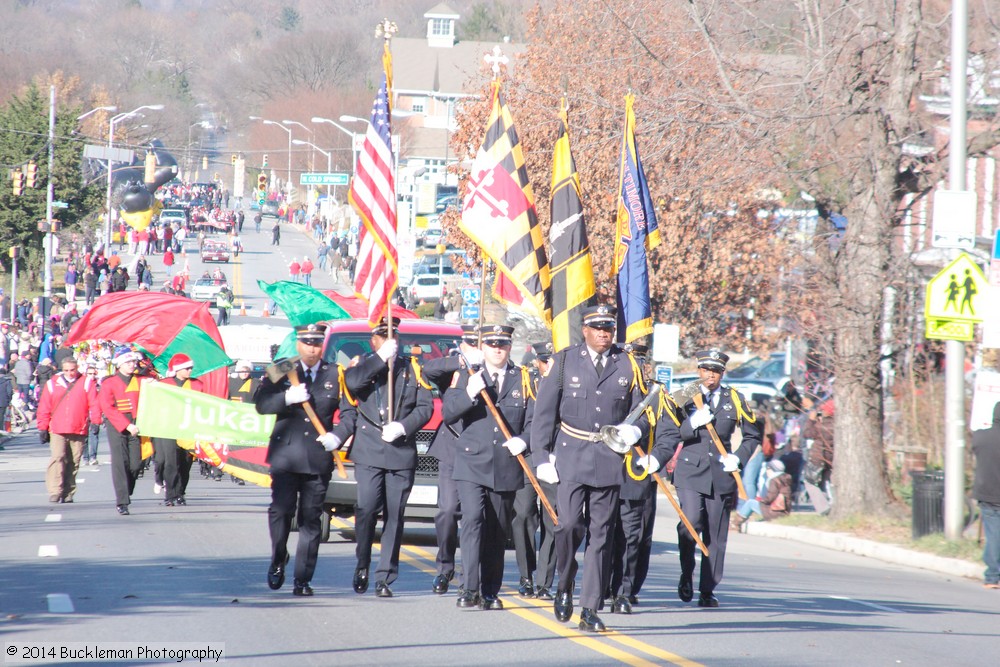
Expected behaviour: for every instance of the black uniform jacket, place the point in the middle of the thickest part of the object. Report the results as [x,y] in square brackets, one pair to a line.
[413,405]
[439,373]
[666,432]
[293,446]
[698,465]
[573,394]
[479,453]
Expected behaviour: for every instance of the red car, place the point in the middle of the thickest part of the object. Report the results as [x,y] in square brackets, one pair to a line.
[427,340]
[215,251]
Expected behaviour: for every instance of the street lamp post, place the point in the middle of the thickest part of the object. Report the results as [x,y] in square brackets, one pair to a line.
[277,124]
[111,139]
[328,154]
[354,157]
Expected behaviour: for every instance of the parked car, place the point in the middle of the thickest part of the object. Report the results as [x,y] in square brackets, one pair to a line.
[215,251]
[347,339]
[270,209]
[432,237]
[206,289]
[424,287]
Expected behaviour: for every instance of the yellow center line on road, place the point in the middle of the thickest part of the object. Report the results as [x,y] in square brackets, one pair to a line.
[424,561]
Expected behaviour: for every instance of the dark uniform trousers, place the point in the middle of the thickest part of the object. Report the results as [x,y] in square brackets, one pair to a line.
[440,372]
[709,514]
[126,462]
[175,466]
[300,495]
[527,510]
[576,395]
[633,544]
[384,471]
[378,488]
[484,534]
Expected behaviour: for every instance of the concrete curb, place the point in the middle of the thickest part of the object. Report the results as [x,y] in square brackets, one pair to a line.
[888,553]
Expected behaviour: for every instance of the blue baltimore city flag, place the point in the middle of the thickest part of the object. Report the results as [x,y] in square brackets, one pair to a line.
[636,233]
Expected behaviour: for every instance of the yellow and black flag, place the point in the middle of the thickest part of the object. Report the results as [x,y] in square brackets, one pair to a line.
[572,271]
[498,214]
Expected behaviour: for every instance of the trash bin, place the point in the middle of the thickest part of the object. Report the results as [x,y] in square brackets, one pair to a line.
[928,503]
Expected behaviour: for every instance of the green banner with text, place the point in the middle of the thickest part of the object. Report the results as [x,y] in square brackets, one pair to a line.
[167,411]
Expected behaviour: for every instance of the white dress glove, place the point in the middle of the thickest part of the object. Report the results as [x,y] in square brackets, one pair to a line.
[730,462]
[476,384]
[329,441]
[648,463]
[388,349]
[515,446]
[546,472]
[629,433]
[473,355]
[393,431]
[297,393]
[701,416]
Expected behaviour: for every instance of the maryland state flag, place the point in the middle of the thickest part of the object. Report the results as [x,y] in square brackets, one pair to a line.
[498,214]
[572,271]
[636,234]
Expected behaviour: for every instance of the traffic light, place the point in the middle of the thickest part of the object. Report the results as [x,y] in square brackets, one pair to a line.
[262,182]
[17,179]
[204,162]
[48,226]
[14,252]
[233,159]
[32,174]
[264,164]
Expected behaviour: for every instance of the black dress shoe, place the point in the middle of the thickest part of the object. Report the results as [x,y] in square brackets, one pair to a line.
[543,593]
[382,590]
[488,603]
[708,600]
[441,584]
[361,580]
[302,589]
[685,589]
[468,600]
[181,501]
[123,510]
[169,503]
[621,605]
[590,621]
[526,589]
[276,575]
[563,606]
[633,600]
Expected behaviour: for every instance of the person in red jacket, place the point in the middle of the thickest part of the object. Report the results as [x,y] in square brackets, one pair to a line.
[307,269]
[293,270]
[174,460]
[119,399]
[67,404]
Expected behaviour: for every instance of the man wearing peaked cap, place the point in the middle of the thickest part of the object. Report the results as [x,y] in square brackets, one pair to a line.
[704,479]
[590,385]
[384,451]
[487,472]
[173,461]
[441,373]
[300,459]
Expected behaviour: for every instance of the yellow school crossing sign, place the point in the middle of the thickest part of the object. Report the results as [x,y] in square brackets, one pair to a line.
[956,299]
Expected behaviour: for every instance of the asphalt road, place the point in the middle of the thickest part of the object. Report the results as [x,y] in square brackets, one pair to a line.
[196,575]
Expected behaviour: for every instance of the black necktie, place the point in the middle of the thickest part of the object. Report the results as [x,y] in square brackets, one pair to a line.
[599,365]
[496,383]
[309,376]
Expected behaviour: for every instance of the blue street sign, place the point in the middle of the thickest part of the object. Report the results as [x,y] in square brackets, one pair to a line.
[470,312]
[664,374]
[470,294]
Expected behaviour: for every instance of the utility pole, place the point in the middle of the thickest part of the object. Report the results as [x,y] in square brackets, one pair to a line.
[49,198]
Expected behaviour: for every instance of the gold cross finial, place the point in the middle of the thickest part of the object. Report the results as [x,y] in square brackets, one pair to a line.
[386,29]
[496,59]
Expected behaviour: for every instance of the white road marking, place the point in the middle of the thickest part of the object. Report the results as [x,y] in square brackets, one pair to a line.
[52,518]
[866,604]
[48,551]
[60,603]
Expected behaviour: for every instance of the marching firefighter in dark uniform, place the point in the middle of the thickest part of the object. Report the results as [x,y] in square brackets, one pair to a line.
[487,472]
[705,484]
[440,372]
[174,460]
[590,385]
[384,451]
[301,459]
[119,399]
[633,539]
[528,512]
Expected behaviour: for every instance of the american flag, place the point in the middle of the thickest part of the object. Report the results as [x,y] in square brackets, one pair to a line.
[373,195]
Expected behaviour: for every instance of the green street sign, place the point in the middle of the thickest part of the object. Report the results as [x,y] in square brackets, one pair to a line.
[60,204]
[324,179]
